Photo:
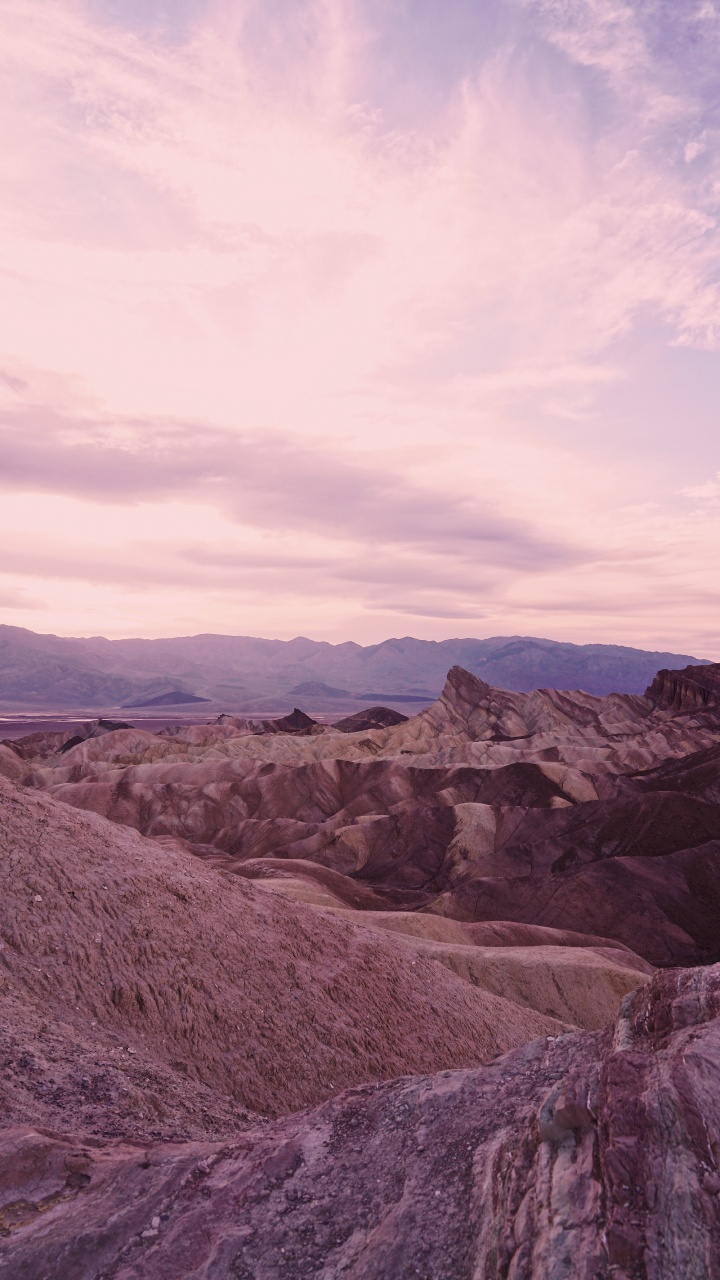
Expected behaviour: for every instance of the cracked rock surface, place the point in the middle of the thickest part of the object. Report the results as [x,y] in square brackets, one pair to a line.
[583,1156]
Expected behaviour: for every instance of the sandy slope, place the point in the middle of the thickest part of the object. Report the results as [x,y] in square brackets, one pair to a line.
[579,985]
[10,765]
[200,972]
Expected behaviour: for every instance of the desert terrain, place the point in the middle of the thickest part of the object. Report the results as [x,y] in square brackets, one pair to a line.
[398,995]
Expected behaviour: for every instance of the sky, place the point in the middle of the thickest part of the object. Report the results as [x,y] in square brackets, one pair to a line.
[361,318]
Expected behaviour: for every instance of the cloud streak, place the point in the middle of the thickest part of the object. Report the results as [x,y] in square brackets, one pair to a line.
[285,343]
[264,482]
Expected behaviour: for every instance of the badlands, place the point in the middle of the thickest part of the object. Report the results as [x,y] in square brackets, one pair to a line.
[432,997]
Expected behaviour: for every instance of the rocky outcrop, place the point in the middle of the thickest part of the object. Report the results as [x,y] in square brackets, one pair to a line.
[296,722]
[11,766]
[666,909]
[474,710]
[371,718]
[694,688]
[589,1156]
[38,746]
[644,870]
[696,775]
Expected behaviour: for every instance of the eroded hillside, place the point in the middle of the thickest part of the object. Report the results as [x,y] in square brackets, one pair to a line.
[206,929]
[554,809]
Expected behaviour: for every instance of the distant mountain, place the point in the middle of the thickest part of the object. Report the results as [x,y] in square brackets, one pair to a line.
[316,688]
[246,673]
[175,698]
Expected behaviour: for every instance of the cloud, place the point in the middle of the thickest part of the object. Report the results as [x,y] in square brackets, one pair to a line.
[232,209]
[703,492]
[283,343]
[19,600]
[265,482]
[344,569]
[467,612]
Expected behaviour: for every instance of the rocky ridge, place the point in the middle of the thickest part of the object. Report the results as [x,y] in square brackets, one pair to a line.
[694,687]
[241,990]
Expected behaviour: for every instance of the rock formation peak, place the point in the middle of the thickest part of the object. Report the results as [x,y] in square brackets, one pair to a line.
[694,687]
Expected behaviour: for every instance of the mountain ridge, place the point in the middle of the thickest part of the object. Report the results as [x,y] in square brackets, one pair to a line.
[244,672]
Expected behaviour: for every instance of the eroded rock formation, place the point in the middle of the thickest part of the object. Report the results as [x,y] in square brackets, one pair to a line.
[204,929]
[131,943]
[562,810]
[590,1156]
[694,687]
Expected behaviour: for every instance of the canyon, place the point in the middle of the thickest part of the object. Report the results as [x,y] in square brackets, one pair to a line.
[397,995]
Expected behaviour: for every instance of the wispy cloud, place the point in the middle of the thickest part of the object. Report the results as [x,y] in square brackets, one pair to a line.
[265,482]
[250,303]
[19,600]
[707,492]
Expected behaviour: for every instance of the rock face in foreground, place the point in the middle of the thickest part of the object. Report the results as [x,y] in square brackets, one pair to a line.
[589,1156]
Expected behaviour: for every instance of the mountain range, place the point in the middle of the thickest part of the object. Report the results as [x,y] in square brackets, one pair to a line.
[245,673]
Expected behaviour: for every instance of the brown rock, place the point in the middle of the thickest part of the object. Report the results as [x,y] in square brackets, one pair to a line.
[686,690]
[248,994]
[589,1156]
[553,809]
[371,718]
[11,765]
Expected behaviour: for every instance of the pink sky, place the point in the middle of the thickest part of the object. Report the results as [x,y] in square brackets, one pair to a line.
[357,319]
